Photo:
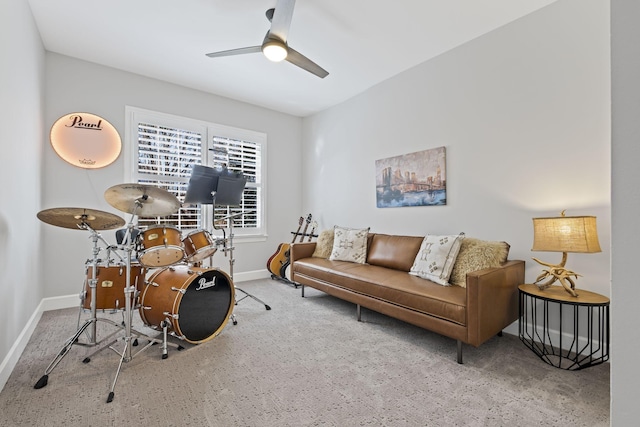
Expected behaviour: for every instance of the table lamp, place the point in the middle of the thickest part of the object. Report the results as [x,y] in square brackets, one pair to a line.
[563,234]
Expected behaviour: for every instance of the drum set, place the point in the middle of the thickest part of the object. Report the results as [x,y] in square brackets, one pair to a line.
[154,271]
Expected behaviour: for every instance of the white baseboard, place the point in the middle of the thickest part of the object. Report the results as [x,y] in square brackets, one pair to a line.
[251,275]
[70,301]
[16,350]
[58,303]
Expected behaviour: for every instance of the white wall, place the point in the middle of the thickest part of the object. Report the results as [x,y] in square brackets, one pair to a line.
[524,115]
[75,85]
[498,179]
[625,66]
[21,133]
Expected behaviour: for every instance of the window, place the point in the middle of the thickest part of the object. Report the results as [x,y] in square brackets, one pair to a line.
[162,150]
[245,157]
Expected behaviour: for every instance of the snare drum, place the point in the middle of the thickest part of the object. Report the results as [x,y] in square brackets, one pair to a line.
[199,245]
[160,246]
[196,301]
[111,282]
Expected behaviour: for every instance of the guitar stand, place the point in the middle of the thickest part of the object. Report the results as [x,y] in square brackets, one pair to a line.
[285,280]
[282,277]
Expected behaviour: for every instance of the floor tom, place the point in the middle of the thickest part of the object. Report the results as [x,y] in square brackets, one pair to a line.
[111,282]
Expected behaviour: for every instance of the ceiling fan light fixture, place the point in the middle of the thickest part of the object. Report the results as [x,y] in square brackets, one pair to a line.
[274,50]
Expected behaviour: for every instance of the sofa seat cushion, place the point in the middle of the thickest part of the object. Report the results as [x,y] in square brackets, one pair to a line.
[392,286]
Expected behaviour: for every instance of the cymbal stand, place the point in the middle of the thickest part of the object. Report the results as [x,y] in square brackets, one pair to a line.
[229,249]
[92,321]
[127,354]
[93,282]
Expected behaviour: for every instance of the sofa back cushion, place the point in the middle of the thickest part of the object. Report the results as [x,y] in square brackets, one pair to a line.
[324,244]
[397,252]
[476,254]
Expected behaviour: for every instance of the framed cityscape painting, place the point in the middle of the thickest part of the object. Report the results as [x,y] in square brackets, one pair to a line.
[414,179]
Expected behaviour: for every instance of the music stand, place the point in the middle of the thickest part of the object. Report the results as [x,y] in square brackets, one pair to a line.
[211,186]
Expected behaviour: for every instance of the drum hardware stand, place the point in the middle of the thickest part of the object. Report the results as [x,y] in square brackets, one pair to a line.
[209,185]
[126,355]
[229,249]
[95,236]
[93,282]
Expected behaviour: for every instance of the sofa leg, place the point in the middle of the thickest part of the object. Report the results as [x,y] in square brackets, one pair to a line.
[358,312]
[302,289]
[460,352]
[500,333]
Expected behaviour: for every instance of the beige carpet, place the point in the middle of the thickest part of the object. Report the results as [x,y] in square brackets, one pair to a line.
[306,362]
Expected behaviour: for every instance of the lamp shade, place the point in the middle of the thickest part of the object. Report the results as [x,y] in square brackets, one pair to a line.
[566,234]
[85,140]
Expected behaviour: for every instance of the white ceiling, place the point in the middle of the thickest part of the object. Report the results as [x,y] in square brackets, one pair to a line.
[360,42]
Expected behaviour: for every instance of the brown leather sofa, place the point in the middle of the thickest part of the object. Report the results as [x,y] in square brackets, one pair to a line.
[470,315]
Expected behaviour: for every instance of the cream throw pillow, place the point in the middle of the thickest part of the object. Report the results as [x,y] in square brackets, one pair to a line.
[436,258]
[349,244]
[476,254]
[324,244]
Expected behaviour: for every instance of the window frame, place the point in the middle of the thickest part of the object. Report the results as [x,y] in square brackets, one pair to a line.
[208,130]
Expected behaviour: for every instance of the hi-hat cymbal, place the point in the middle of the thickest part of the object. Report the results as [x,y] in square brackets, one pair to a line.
[74,218]
[142,200]
[230,216]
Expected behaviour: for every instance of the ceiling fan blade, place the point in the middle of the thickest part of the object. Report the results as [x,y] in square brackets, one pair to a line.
[240,51]
[296,58]
[281,20]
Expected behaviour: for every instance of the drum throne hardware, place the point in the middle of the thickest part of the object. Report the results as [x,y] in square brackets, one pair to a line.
[208,186]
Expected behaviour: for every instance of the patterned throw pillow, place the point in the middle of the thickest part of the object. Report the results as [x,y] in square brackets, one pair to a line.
[436,257]
[477,255]
[324,244]
[349,244]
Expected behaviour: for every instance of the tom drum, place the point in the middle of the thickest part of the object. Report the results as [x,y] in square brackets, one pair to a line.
[160,246]
[196,301]
[199,245]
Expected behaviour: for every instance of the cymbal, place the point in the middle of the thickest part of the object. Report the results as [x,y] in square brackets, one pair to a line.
[230,216]
[74,218]
[142,200]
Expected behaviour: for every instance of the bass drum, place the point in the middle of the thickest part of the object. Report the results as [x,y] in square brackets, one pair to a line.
[197,302]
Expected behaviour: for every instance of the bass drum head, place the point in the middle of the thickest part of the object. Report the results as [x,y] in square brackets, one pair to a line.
[203,300]
[206,306]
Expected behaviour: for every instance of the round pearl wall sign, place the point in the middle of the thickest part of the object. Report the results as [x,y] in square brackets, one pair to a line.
[85,140]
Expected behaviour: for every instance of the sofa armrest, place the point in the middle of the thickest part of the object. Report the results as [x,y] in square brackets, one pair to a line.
[492,300]
[301,250]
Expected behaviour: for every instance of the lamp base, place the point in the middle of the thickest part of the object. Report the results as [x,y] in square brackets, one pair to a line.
[557,272]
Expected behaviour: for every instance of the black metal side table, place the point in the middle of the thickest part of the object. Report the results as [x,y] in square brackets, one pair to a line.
[552,321]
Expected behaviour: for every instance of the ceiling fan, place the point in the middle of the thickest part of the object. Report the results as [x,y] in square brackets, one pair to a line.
[274,46]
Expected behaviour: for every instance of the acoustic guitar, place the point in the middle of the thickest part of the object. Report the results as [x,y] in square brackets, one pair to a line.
[276,260]
[285,265]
